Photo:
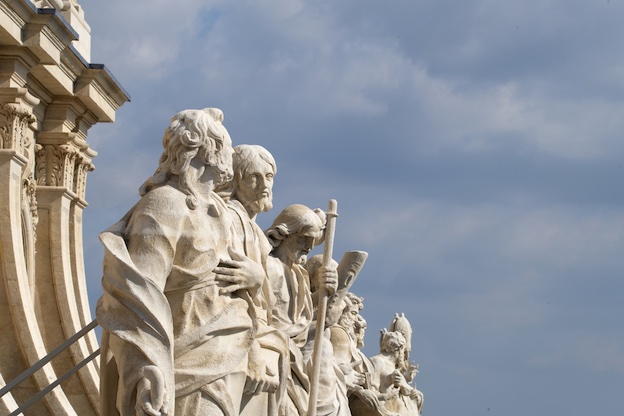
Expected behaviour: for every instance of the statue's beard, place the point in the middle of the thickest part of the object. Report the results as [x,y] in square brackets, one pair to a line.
[360,341]
[301,257]
[262,204]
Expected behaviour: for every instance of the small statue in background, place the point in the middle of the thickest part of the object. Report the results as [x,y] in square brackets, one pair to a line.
[402,325]
[391,372]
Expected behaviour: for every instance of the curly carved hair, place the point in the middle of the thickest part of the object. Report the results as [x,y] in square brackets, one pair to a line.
[391,341]
[192,133]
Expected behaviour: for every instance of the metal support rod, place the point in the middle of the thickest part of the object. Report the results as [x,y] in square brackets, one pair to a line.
[61,379]
[39,364]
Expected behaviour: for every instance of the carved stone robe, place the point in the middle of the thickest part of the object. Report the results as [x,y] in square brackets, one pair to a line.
[273,342]
[161,304]
[293,312]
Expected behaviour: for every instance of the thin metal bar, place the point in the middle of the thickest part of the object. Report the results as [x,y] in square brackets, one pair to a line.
[29,372]
[61,379]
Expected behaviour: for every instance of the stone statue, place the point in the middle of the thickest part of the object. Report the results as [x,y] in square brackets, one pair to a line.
[176,321]
[388,376]
[249,193]
[347,337]
[402,325]
[295,231]
[203,313]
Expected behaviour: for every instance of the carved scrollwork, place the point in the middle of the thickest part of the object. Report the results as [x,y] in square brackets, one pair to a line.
[69,155]
[83,166]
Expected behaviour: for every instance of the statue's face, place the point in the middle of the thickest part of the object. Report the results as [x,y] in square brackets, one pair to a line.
[255,189]
[349,315]
[360,331]
[297,246]
[224,156]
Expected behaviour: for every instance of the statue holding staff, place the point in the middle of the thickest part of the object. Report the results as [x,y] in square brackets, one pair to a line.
[293,234]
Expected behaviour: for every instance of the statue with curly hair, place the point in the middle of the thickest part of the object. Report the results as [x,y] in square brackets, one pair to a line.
[176,321]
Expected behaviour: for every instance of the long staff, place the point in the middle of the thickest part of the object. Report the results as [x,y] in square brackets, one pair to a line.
[328,249]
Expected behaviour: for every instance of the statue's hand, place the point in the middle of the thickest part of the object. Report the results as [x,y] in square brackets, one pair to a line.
[260,378]
[329,277]
[417,395]
[152,397]
[240,272]
[398,380]
[352,377]
[410,373]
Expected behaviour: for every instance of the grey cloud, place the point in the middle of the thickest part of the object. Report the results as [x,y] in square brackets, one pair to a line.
[474,148]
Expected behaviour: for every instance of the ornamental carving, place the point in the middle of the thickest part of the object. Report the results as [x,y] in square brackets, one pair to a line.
[13,127]
[83,166]
[15,135]
[48,165]
[68,154]
[62,165]
[29,200]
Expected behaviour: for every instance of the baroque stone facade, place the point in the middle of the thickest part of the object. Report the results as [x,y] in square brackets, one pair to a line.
[50,95]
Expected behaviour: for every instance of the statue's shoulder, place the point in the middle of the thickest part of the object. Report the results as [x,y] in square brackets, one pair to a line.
[164,198]
[274,266]
[164,204]
[338,334]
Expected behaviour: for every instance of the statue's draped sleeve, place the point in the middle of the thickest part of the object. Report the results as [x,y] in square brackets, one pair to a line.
[137,324]
[161,304]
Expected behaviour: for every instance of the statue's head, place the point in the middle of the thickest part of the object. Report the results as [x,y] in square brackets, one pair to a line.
[392,343]
[356,300]
[193,138]
[359,329]
[349,315]
[295,231]
[402,325]
[252,184]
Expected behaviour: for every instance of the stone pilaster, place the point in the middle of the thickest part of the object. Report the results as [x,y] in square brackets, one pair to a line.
[50,96]
[22,344]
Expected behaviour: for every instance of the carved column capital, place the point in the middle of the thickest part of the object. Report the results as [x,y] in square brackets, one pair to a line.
[55,164]
[64,165]
[83,165]
[17,135]
[14,121]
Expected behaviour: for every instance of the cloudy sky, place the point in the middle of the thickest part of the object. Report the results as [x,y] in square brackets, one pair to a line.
[474,147]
